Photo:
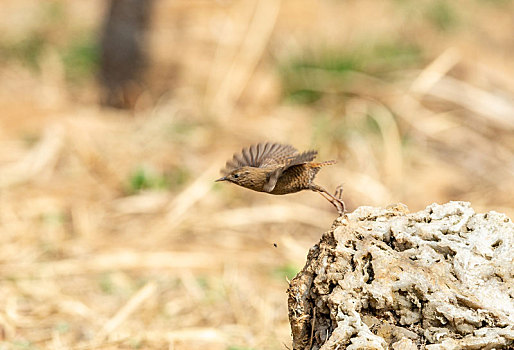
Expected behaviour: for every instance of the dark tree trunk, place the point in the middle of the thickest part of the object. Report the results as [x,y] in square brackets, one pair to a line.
[123,55]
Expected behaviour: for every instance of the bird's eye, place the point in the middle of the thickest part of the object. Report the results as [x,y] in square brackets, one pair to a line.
[236,176]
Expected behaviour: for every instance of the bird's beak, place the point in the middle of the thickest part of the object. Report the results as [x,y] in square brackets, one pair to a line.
[224,178]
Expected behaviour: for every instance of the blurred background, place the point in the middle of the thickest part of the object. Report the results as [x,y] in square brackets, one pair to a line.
[117,116]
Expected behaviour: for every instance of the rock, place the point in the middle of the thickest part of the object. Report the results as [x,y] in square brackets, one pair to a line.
[441,278]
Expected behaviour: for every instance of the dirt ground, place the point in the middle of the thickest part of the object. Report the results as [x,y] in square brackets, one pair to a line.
[112,231]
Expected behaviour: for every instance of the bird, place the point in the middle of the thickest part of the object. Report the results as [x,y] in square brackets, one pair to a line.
[278,169]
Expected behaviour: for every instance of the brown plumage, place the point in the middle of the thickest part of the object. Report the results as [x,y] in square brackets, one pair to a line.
[277,169]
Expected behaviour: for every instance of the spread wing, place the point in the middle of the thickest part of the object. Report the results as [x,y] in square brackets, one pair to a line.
[262,155]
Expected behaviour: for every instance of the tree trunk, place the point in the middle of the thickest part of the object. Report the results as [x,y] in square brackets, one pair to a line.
[123,52]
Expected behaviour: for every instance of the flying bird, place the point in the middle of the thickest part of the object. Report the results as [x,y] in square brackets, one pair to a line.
[277,169]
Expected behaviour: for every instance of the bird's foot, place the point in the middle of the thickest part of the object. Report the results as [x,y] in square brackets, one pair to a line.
[338,193]
[341,207]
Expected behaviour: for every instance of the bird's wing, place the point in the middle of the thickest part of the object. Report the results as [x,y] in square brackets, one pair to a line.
[272,154]
[262,155]
[298,159]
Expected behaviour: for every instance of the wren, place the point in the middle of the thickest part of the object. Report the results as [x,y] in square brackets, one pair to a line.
[277,169]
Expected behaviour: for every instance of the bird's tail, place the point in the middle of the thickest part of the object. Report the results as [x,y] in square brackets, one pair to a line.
[322,164]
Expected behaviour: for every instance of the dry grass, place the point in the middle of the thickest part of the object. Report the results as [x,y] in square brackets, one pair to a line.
[113,234]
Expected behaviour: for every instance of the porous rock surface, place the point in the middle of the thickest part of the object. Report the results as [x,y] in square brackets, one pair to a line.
[441,278]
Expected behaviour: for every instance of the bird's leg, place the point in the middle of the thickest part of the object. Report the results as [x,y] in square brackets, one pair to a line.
[336,202]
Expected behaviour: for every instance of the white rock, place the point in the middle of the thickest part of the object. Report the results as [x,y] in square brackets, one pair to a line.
[383,278]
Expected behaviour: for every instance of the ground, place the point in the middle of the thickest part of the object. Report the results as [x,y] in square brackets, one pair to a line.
[113,233]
